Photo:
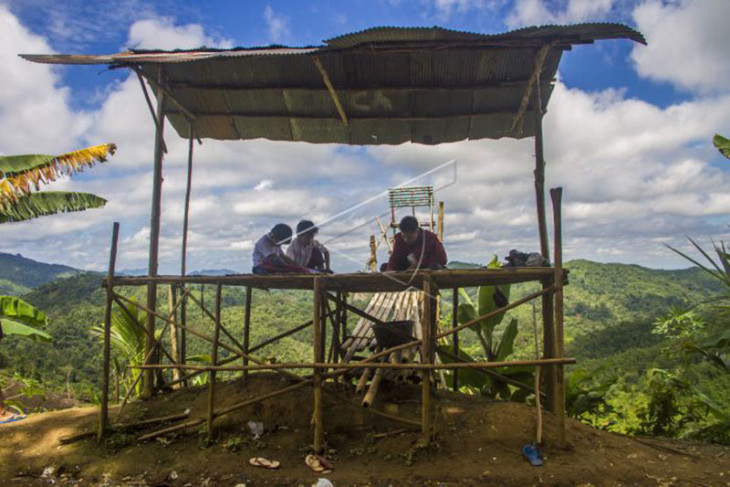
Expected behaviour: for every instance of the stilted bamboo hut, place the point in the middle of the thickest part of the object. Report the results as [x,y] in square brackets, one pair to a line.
[379,86]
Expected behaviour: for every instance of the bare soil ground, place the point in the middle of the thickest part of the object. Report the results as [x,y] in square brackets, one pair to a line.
[478,443]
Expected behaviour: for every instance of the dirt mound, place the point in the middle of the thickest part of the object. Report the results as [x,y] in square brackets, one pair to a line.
[478,443]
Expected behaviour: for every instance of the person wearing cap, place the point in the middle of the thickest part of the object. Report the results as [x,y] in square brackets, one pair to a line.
[306,251]
[416,248]
[268,256]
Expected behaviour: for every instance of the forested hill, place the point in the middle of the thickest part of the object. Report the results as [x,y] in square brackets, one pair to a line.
[601,299]
[18,274]
[604,293]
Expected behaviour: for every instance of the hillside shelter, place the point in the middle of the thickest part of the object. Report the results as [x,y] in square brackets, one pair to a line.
[384,85]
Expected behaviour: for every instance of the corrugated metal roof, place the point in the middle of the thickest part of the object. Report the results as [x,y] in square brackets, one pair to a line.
[424,85]
[569,33]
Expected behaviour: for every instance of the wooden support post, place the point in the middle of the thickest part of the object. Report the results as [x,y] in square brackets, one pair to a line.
[373,262]
[556,195]
[548,327]
[104,407]
[149,376]
[426,358]
[247,328]
[318,443]
[184,252]
[540,172]
[454,324]
[441,221]
[211,376]
[174,341]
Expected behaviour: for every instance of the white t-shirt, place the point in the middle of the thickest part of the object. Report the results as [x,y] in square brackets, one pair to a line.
[264,247]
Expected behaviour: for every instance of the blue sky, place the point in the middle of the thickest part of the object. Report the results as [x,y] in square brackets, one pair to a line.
[628,133]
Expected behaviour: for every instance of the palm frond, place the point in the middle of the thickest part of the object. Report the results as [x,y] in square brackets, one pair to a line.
[19,175]
[48,203]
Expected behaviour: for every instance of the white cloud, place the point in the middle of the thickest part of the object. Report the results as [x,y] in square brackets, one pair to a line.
[35,117]
[445,9]
[635,175]
[277,25]
[162,33]
[537,12]
[687,43]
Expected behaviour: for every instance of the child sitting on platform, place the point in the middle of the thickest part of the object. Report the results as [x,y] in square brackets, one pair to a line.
[268,256]
[306,251]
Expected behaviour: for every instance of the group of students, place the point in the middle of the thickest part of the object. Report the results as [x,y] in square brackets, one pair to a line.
[413,248]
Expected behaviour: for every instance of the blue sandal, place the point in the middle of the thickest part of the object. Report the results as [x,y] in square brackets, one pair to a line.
[532,455]
[17,416]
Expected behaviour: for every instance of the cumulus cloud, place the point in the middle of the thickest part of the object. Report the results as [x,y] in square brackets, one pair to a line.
[687,43]
[277,25]
[538,12]
[444,9]
[34,116]
[162,33]
[635,175]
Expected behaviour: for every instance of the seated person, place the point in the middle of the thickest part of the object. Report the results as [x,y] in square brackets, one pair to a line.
[268,257]
[416,248]
[306,251]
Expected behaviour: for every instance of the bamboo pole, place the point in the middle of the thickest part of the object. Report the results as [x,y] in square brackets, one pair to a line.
[454,324]
[174,348]
[556,194]
[155,214]
[104,407]
[426,329]
[247,328]
[441,221]
[540,160]
[211,378]
[318,443]
[364,363]
[184,252]
[373,260]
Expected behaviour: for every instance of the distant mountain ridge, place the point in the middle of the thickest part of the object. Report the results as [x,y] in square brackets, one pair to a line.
[19,274]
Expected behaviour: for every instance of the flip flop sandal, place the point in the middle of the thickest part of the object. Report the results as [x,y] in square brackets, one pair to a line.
[532,455]
[17,416]
[264,463]
[325,463]
[314,464]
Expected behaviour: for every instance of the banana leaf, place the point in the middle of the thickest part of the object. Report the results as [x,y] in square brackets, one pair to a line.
[10,327]
[722,144]
[19,175]
[19,310]
[506,344]
[47,203]
[467,377]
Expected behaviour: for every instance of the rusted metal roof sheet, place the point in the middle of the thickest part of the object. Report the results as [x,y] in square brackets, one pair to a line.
[569,33]
[394,85]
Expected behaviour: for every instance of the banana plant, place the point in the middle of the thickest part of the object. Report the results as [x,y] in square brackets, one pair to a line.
[18,318]
[21,175]
[722,144]
[489,299]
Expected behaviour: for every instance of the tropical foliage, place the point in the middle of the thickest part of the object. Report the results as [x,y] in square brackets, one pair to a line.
[22,174]
[722,144]
[19,318]
[128,345]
